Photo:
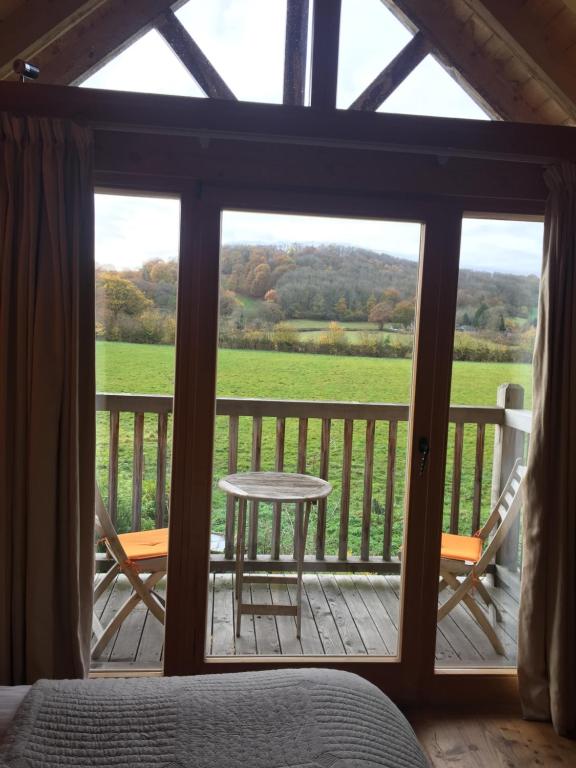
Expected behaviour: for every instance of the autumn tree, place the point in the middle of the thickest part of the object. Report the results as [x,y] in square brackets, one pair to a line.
[115,295]
[260,281]
[271,295]
[403,312]
[341,308]
[381,313]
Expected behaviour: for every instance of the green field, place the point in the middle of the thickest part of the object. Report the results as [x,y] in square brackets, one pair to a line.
[134,368]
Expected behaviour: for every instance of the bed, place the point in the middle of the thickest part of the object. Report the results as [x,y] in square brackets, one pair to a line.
[299,718]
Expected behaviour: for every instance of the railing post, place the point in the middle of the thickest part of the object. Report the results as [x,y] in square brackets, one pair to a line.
[508,446]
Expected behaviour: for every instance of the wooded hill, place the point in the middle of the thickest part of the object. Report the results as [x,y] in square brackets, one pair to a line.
[333,282]
[263,285]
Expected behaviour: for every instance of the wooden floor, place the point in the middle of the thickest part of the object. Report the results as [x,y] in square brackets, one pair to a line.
[342,615]
[477,741]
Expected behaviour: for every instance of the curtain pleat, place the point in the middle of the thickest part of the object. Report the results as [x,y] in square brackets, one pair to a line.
[47,417]
[547,620]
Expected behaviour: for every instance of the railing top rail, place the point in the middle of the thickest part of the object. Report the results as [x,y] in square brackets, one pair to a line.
[315,409]
[518,418]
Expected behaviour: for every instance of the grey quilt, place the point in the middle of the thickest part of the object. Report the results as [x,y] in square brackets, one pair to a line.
[298,718]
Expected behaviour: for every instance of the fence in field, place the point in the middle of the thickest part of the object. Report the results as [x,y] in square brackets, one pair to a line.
[358,447]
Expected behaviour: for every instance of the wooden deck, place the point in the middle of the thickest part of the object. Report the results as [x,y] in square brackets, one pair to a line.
[342,615]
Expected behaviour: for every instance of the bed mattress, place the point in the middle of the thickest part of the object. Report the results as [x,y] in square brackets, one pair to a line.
[298,718]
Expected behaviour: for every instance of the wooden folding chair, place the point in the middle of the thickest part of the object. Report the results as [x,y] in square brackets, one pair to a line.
[469,556]
[134,554]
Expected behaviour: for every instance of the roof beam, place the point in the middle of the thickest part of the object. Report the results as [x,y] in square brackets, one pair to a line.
[325,44]
[392,75]
[35,24]
[190,54]
[514,24]
[295,51]
[279,123]
[455,46]
[95,39]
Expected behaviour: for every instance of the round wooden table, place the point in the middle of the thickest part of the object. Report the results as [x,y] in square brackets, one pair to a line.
[278,487]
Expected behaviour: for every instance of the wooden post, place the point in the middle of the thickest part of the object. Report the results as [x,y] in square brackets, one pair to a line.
[508,446]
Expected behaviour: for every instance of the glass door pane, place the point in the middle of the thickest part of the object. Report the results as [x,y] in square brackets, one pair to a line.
[500,262]
[137,250]
[314,378]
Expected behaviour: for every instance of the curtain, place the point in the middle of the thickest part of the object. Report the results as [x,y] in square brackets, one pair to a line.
[47,416]
[547,621]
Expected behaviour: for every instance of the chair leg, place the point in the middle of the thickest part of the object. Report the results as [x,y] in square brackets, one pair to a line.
[110,630]
[485,624]
[487,597]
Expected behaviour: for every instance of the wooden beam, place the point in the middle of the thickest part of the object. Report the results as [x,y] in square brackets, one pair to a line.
[35,24]
[522,32]
[277,123]
[454,44]
[393,74]
[325,44]
[98,37]
[295,51]
[190,54]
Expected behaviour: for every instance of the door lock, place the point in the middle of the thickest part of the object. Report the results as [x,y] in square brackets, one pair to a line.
[424,448]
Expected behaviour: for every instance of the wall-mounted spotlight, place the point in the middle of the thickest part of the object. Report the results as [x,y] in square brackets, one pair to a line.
[25,70]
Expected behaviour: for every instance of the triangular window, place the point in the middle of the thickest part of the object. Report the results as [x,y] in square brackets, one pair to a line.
[147,66]
[430,90]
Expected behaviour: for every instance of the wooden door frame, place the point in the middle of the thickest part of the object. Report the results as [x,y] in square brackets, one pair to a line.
[406,675]
[413,676]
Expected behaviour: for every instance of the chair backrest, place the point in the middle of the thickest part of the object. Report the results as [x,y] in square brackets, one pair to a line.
[106,531]
[504,515]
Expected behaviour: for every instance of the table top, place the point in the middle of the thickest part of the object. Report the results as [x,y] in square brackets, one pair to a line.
[275,486]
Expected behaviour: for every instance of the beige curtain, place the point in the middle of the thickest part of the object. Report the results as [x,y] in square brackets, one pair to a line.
[46,399]
[547,629]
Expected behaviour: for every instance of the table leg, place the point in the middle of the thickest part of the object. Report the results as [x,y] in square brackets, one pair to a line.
[302,519]
[240,561]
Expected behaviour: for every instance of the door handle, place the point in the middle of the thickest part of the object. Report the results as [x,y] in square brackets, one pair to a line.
[424,449]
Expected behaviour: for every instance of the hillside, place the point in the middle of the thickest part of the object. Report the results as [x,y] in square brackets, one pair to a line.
[264,285]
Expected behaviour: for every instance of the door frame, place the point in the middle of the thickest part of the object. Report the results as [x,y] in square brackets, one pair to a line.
[190,530]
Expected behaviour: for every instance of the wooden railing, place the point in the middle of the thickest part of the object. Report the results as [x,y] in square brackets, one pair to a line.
[370,439]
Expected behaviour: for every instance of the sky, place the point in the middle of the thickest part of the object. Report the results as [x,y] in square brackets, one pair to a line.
[133,230]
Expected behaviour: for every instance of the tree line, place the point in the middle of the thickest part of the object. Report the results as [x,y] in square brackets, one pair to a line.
[262,286]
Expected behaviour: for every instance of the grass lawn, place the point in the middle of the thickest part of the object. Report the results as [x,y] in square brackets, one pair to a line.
[132,368]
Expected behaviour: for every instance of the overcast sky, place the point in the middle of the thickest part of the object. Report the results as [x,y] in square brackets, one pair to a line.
[132,230]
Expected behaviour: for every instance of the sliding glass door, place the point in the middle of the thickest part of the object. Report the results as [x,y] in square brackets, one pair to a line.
[314,377]
[136,260]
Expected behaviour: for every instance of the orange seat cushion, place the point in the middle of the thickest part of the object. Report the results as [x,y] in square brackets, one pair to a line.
[142,545]
[461,547]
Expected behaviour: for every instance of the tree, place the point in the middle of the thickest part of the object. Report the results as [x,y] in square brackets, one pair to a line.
[341,308]
[381,313]
[228,303]
[370,304]
[260,281]
[271,295]
[115,295]
[481,316]
[404,312]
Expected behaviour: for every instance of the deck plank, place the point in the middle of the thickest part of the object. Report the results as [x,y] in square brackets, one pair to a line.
[384,624]
[327,629]
[342,614]
[286,625]
[223,615]
[311,642]
[343,618]
[371,638]
[267,642]
[246,643]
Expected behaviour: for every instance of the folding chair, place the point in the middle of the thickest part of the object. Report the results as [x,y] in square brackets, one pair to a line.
[134,554]
[469,556]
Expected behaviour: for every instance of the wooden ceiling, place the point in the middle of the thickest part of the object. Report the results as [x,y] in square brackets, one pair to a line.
[516,58]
